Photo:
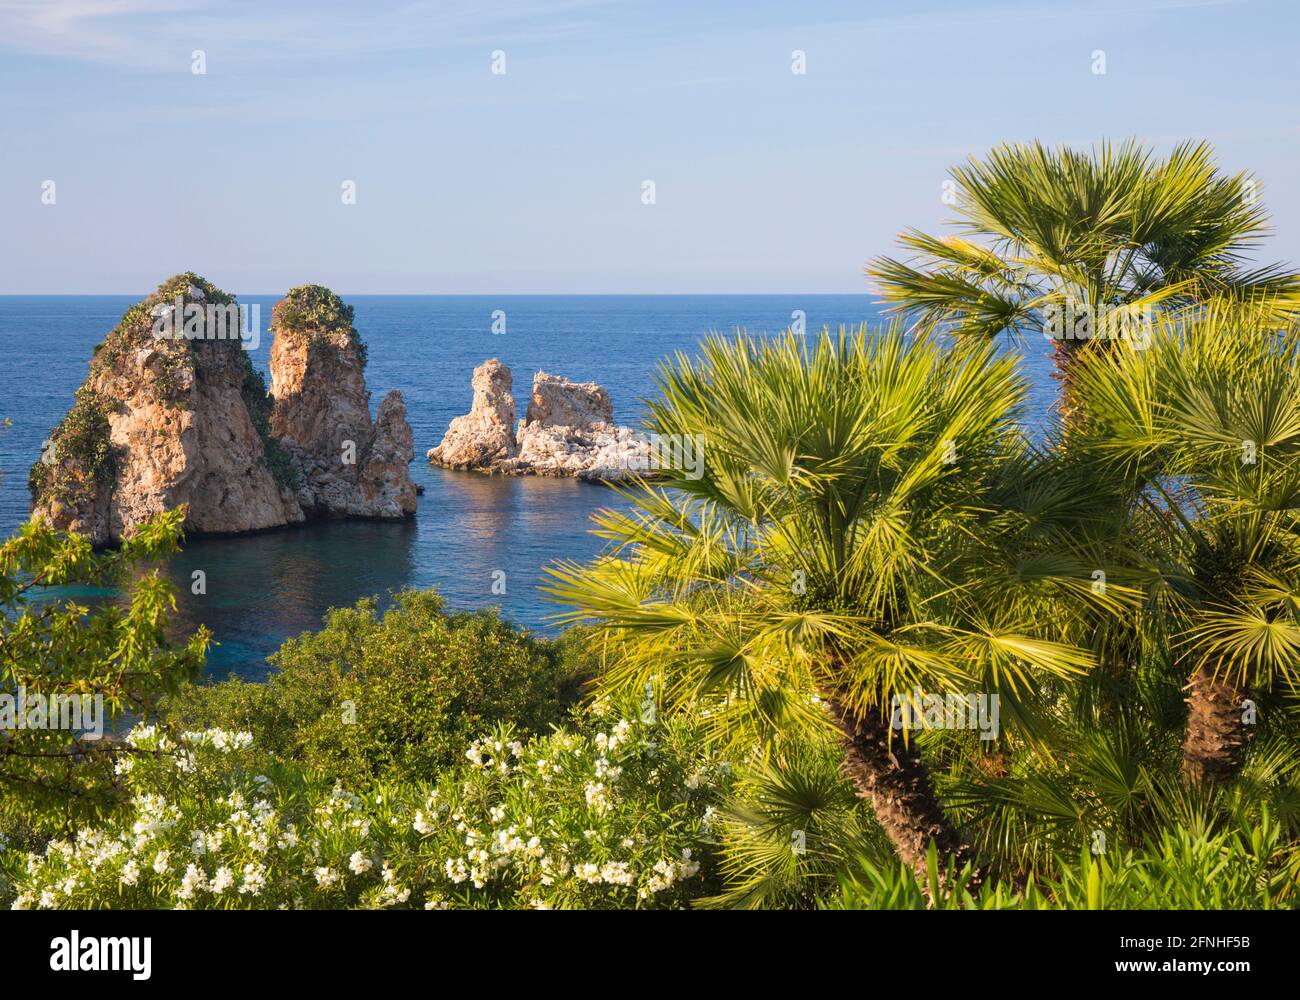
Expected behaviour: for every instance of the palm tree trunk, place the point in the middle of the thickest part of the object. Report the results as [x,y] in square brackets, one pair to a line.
[891,776]
[1065,356]
[1216,732]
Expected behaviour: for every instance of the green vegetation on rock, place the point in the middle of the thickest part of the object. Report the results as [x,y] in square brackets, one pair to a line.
[259,403]
[79,459]
[316,310]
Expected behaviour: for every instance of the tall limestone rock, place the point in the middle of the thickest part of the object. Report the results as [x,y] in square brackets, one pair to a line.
[172,413]
[485,436]
[347,466]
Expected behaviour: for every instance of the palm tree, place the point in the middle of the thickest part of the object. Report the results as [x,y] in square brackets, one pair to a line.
[852,540]
[1204,428]
[1083,248]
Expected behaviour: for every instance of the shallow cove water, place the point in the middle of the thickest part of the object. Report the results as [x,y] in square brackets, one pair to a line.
[265,587]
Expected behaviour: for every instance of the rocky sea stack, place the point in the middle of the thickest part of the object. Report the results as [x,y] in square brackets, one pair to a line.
[485,436]
[173,412]
[346,466]
[568,430]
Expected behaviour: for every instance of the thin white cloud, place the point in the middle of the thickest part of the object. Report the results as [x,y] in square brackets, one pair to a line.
[159,34]
[149,35]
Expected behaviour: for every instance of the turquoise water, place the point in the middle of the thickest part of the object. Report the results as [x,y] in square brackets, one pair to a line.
[262,588]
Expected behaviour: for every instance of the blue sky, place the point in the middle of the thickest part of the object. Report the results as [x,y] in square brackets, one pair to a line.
[531,181]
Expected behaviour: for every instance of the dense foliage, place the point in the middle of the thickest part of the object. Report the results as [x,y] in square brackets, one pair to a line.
[869,523]
[1250,867]
[829,563]
[1086,247]
[57,650]
[1198,438]
[393,695]
[618,809]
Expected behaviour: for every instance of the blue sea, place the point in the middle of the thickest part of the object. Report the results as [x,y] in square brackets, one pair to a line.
[263,588]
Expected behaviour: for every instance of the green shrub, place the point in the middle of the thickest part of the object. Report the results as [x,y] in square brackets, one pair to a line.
[314,307]
[394,696]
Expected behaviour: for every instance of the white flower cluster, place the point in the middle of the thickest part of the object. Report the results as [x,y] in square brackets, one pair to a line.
[151,738]
[343,811]
[391,893]
[224,740]
[611,873]
[668,873]
[148,737]
[494,754]
[426,819]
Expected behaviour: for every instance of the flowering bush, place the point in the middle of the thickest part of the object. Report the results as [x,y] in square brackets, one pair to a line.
[609,813]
